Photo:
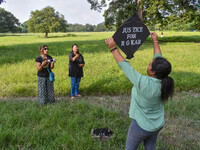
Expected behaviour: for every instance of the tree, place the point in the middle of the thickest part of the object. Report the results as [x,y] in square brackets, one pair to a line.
[100,27]
[46,21]
[119,10]
[24,27]
[8,22]
[89,28]
[151,12]
[78,27]
[1,1]
[188,12]
[197,20]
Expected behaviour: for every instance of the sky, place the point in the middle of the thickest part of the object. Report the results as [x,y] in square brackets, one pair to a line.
[75,11]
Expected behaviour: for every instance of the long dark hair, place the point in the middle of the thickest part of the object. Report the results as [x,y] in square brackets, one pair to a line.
[42,48]
[73,46]
[162,69]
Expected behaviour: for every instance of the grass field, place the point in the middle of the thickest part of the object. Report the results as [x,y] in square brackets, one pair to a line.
[102,75]
[67,124]
[105,90]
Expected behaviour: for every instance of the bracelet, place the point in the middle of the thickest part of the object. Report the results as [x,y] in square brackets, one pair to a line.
[155,41]
[113,49]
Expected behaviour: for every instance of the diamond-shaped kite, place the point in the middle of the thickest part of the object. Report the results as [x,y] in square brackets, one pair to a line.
[131,35]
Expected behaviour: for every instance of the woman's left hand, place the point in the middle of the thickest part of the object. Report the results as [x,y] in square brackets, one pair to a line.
[81,65]
[54,60]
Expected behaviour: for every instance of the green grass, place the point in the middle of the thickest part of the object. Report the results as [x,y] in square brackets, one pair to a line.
[67,124]
[102,75]
[62,126]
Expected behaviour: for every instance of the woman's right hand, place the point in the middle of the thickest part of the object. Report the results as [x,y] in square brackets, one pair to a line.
[154,36]
[155,43]
[44,63]
[77,55]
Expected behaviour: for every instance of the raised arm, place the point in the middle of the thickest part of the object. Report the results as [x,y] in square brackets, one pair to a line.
[112,46]
[132,75]
[156,46]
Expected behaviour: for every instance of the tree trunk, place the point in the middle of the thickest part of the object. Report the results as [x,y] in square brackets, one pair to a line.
[46,35]
[139,10]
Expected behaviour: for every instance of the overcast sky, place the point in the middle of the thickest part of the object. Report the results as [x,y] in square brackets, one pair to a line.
[75,11]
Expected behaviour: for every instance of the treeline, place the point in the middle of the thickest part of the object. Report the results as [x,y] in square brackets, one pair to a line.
[72,28]
[40,21]
[86,28]
[173,25]
[157,15]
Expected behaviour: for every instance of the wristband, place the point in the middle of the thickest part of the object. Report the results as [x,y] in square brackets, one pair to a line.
[113,49]
[155,41]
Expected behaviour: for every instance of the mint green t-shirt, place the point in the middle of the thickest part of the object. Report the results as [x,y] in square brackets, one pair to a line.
[146,105]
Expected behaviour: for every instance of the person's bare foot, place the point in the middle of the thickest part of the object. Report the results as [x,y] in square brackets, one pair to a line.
[78,95]
[72,98]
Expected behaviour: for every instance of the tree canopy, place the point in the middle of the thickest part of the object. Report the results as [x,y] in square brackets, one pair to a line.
[151,12]
[46,21]
[8,22]
[100,27]
[24,27]
[86,28]
[1,1]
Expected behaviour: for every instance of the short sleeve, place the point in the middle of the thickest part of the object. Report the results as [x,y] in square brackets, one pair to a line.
[81,60]
[70,57]
[38,59]
[130,72]
[157,55]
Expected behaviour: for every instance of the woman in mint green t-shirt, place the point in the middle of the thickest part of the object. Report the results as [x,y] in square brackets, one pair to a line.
[147,97]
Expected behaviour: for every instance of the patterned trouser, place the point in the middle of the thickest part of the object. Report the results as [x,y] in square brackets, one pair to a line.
[45,91]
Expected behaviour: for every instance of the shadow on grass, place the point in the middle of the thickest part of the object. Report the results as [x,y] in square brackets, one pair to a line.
[43,35]
[21,52]
[68,35]
[18,34]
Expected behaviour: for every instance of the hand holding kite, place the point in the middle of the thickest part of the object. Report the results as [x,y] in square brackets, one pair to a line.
[154,37]
[131,35]
[112,46]
[110,43]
